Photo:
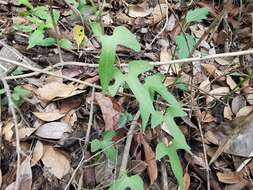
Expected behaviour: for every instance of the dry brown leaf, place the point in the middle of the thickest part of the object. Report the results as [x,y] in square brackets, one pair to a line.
[70,118]
[205,85]
[110,109]
[228,114]
[187,181]
[56,162]
[244,111]
[8,131]
[237,103]
[158,13]
[37,153]
[210,69]
[231,83]
[53,130]
[239,138]
[217,93]
[141,10]
[48,116]
[25,182]
[151,161]
[137,166]
[207,117]
[26,132]
[55,89]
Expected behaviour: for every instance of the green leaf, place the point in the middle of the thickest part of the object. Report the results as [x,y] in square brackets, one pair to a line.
[65,43]
[20,91]
[2,91]
[181,85]
[133,182]
[184,45]
[124,118]
[121,36]
[37,38]
[196,15]
[106,145]
[26,3]
[41,11]
[49,21]
[23,28]
[162,150]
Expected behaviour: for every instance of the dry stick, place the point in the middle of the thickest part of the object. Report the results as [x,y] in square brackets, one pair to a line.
[11,106]
[156,63]
[87,138]
[128,144]
[205,155]
[49,73]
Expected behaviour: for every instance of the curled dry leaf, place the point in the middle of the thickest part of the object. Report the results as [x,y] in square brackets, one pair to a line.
[53,130]
[70,118]
[55,89]
[49,116]
[141,10]
[37,153]
[228,114]
[151,161]
[187,181]
[25,177]
[56,162]
[110,109]
[231,83]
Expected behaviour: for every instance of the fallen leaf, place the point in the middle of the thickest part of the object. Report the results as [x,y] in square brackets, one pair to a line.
[53,130]
[48,116]
[26,132]
[25,182]
[237,103]
[231,83]
[78,34]
[217,93]
[137,166]
[237,140]
[110,110]
[151,161]
[55,89]
[244,111]
[37,153]
[70,118]
[8,131]
[187,181]
[228,114]
[139,10]
[210,69]
[205,85]
[158,13]
[56,162]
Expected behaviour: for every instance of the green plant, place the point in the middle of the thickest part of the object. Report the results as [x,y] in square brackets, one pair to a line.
[133,182]
[145,92]
[106,145]
[17,95]
[185,42]
[41,20]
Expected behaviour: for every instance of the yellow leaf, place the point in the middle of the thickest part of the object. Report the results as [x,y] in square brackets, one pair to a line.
[78,33]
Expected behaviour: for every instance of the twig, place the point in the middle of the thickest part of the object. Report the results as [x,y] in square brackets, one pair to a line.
[87,138]
[49,73]
[11,106]
[205,155]
[128,144]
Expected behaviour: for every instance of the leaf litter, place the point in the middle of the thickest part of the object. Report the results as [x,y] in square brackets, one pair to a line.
[54,119]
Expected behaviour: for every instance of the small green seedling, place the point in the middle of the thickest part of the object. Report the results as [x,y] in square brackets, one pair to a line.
[18,95]
[106,145]
[42,20]
[133,182]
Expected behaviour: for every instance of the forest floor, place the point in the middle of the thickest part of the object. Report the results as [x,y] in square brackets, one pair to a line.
[59,131]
